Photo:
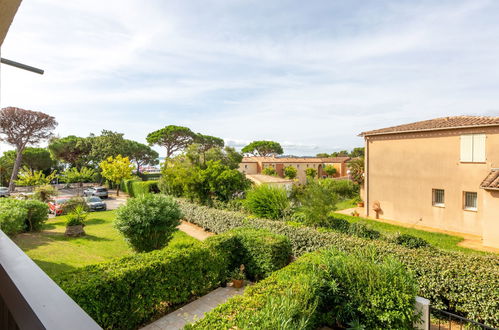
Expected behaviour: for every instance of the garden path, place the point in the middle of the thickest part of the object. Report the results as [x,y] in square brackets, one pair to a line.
[195,310]
[194,231]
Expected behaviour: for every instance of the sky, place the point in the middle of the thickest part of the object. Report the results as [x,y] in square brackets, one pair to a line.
[311,75]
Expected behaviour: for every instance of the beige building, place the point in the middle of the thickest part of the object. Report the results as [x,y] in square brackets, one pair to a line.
[255,165]
[441,173]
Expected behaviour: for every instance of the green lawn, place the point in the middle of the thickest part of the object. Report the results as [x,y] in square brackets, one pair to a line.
[443,241]
[54,252]
[346,204]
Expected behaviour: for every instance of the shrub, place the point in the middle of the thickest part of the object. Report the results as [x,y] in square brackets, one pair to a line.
[71,204]
[37,214]
[362,230]
[261,251]
[344,188]
[410,241]
[338,224]
[267,201]
[136,188]
[12,218]
[290,172]
[323,288]
[22,215]
[44,193]
[452,281]
[77,216]
[148,221]
[269,171]
[316,201]
[128,292]
[311,173]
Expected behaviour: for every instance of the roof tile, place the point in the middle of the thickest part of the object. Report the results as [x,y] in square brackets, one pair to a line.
[491,181]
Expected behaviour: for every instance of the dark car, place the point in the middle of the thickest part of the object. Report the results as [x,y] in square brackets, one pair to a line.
[95,203]
[4,192]
[96,191]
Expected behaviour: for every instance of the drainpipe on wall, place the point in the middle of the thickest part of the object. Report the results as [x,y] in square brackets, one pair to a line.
[366,176]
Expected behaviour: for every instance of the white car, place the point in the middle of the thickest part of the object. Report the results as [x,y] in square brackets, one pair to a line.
[4,192]
[96,191]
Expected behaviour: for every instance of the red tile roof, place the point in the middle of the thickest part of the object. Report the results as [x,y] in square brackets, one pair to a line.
[295,160]
[491,181]
[437,124]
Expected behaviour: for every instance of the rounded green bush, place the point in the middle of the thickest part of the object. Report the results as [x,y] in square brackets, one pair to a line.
[148,221]
[37,214]
[411,241]
[267,201]
[11,218]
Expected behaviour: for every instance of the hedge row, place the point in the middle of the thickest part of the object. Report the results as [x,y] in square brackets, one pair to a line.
[323,288]
[464,284]
[22,215]
[135,188]
[260,251]
[125,293]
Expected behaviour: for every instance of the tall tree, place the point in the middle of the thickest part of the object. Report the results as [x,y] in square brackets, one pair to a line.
[108,144]
[21,128]
[72,150]
[357,152]
[173,138]
[116,169]
[322,155]
[75,175]
[263,148]
[342,153]
[141,154]
[356,167]
[36,159]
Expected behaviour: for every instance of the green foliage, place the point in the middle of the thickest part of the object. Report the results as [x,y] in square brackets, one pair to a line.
[116,169]
[77,216]
[322,288]
[330,170]
[74,202]
[148,221]
[267,201]
[452,281]
[316,201]
[128,292]
[22,215]
[27,177]
[260,251]
[357,152]
[311,172]
[356,167]
[71,150]
[36,159]
[173,138]
[207,142]
[290,172]
[410,241]
[269,171]
[44,193]
[140,154]
[75,175]
[136,188]
[358,229]
[263,148]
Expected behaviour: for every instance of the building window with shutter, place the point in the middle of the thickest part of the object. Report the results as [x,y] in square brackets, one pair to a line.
[470,200]
[473,148]
[438,197]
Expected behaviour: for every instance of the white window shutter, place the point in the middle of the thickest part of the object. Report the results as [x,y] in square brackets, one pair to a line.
[479,147]
[467,148]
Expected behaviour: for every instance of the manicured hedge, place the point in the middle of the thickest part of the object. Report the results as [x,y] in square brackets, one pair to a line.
[125,293]
[464,284]
[135,188]
[323,288]
[261,251]
[22,215]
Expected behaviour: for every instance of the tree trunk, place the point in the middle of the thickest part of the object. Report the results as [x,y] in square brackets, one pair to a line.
[15,170]
[117,190]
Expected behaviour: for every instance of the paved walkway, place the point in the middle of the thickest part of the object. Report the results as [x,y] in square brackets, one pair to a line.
[470,241]
[194,231]
[195,310]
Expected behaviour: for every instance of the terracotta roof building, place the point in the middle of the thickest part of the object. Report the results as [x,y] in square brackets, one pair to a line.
[441,173]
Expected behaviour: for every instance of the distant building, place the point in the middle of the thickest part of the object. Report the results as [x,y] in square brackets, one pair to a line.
[441,173]
[255,165]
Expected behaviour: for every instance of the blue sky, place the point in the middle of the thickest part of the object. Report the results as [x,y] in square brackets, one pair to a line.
[311,75]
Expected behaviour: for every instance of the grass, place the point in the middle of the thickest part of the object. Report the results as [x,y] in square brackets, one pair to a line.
[54,252]
[440,240]
[346,204]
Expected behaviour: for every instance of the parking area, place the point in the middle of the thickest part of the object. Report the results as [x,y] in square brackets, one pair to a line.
[112,202]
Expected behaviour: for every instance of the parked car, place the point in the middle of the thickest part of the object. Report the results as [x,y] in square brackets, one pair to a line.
[95,203]
[4,192]
[96,191]
[56,206]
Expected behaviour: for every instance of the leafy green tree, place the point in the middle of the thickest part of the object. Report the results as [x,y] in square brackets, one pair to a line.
[36,159]
[316,201]
[290,172]
[27,177]
[311,172]
[172,138]
[356,167]
[357,152]
[342,153]
[322,155]
[267,201]
[72,150]
[207,142]
[330,170]
[141,154]
[108,144]
[22,128]
[269,171]
[223,182]
[263,148]
[116,169]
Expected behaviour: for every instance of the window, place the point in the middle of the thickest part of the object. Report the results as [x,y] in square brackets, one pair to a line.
[473,148]
[470,200]
[438,197]
[245,166]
